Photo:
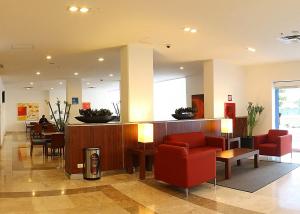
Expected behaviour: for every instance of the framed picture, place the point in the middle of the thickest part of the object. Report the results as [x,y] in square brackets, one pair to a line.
[229,97]
[75,100]
[198,104]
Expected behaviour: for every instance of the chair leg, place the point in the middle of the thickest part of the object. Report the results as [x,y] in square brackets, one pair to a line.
[215,182]
[187,192]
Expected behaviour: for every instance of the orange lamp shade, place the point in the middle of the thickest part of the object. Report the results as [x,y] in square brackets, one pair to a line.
[145,132]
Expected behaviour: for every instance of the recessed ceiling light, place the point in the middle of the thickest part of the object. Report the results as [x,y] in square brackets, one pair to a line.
[84,10]
[100,59]
[76,74]
[73,9]
[48,57]
[38,73]
[88,83]
[60,83]
[193,30]
[187,29]
[111,75]
[251,49]
[181,67]
[51,88]
[31,83]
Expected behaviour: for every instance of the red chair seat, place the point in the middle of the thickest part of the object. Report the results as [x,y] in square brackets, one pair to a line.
[268,148]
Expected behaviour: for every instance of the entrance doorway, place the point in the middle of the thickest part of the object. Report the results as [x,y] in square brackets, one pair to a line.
[287,112]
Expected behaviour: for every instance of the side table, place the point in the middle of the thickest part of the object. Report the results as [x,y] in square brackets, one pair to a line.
[142,154]
[232,140]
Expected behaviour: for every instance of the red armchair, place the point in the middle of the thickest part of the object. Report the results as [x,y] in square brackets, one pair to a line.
[275,143]
[188,159]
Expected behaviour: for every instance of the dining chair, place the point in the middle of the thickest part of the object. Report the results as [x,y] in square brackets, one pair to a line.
[57,143]
[36,138]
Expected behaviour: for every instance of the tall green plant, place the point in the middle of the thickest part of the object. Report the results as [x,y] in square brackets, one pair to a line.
[60,121]
[254,111]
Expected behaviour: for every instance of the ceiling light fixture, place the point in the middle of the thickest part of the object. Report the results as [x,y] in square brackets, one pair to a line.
[193,30]
[48,57]
[38,73]
[31,83]
[181,67]
[111,75]
[76,74]
[60,83]
[251,49]
[187,29]
[84,10]
[100,59]
[73,9]
[51,88]
[88,83]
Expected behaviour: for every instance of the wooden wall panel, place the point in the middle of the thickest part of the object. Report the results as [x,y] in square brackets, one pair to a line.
[240,129]
[77,138]
[182,126]
[109,140]
[159,131]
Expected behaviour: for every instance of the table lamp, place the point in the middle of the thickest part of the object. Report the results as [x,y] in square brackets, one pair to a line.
[145,133]
[226,126]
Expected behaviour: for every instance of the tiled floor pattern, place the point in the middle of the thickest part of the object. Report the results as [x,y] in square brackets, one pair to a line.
[39,185]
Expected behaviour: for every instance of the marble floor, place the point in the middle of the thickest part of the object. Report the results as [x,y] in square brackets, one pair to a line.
[39,185]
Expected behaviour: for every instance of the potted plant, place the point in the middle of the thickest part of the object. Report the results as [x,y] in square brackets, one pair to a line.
[184,113]
[61,115]
[94,115]
[254,111]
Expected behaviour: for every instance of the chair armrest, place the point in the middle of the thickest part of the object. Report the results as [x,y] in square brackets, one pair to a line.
[285,142]
[259,139]
[218,142]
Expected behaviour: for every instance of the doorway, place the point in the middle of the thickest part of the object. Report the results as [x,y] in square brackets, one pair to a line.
[287,112]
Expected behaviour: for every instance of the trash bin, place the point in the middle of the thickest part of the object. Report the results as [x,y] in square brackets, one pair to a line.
[91,165]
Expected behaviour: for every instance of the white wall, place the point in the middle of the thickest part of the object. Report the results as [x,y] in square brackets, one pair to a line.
[220,80]
[168,96]
[54,95]
[260,80]
[101,97]
[194,85]
[14,96]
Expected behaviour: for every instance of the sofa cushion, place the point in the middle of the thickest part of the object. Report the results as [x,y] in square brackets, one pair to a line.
[193,139]
[274,134]
[178,143]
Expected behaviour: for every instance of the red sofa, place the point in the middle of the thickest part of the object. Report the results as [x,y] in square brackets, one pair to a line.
[188,159]
[275,143]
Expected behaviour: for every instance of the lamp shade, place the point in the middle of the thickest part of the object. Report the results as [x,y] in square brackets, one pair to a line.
[226,125]
[145,133]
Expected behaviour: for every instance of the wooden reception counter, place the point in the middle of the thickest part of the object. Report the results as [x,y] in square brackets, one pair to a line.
[115,138]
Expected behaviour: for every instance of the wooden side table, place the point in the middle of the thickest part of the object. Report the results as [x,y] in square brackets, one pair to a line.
[232,140]
[142,154]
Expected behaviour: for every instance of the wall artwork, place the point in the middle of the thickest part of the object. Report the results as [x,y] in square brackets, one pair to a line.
[229,111]
[28,111]
[86,105]
[198,104]
[75,100]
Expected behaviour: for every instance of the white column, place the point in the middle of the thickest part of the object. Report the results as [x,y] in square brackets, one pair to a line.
[208,86]
[136,83]
[74,90]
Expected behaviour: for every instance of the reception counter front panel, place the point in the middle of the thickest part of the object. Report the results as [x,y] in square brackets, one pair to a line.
[114,139]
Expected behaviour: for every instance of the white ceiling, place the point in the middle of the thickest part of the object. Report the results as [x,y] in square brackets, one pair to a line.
[225,29]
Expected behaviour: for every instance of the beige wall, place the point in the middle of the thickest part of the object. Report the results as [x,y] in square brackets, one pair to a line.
[220,80]
[260,80]
[194,85]
[136,83]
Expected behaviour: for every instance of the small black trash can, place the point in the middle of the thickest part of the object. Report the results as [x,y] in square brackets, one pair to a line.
[91,165]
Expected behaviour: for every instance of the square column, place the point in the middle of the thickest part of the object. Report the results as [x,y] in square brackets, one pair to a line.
[136,83]
[74,90]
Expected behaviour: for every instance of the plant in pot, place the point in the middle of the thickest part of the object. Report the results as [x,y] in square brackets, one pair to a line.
[94,115]
[184,113]
[254,111]
[61,114]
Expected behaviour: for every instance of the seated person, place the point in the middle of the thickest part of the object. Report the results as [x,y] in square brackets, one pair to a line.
[43,120]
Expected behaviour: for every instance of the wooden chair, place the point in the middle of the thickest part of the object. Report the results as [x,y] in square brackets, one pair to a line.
[50,128]
[57,143]
[36,138]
